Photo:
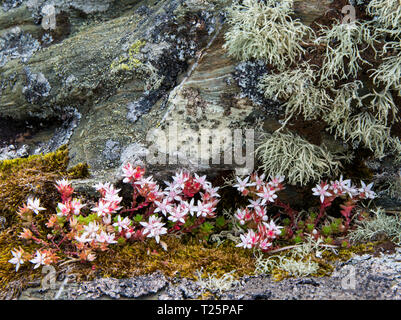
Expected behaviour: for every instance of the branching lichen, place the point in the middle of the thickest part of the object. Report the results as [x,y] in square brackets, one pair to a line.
[265,30]
[298,262]
[216,284]
[343,52]
[381,225]
[286,154]
[382,105]
[298,89]
[387,14]
[389,72]
[364,129]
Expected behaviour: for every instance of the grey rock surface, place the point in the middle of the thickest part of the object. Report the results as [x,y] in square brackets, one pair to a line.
[360,278]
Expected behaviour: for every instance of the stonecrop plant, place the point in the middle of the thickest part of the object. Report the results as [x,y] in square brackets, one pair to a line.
[260,230]
[77,232]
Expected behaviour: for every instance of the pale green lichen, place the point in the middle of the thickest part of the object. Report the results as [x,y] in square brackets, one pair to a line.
[382,106]
[297,88]
[266,31]
[381,225]
[345,99]
[301,162]
[388,15]
[364,129]
[389,72]
[343,53]
[133,63]
[215,284]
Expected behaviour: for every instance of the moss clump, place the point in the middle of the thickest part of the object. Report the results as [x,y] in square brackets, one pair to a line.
[34,176]
[8,276]
[183,258]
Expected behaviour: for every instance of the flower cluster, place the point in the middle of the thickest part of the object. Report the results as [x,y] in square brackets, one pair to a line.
[260,231]
[186,202]
[341,188]
[78,231]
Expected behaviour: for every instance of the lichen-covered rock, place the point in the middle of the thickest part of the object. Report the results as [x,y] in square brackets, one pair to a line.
[112,78]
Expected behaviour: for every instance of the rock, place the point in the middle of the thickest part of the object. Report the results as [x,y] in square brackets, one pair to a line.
[71,81]
[367,278]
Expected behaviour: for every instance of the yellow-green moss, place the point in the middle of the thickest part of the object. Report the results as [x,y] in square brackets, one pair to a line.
[9,241]
[34,176]
[182,259]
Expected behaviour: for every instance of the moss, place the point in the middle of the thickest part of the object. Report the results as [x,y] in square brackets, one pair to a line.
[8,276]
[183,258]
[34,176]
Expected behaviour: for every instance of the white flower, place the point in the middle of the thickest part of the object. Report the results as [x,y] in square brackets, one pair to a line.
[276,181]
[201,180]
[205,209]
[321,190]
[267,195]
[82,238]
[180,179]
[248,240]
[76,206]
[190,207]
[17,260]
[240,215]
[102,208]
[39,259]
[91,229]
[366,191]
[243,184]
[273,230]
[34,205]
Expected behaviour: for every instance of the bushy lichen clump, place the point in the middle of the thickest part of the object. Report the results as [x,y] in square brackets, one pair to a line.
[343,43]
[342,77]
[297,88]
[289,155]
[379,226]
[265,30]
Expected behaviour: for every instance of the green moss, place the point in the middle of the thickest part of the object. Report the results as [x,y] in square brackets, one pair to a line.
[8,242]
[34,176]
[183,258]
